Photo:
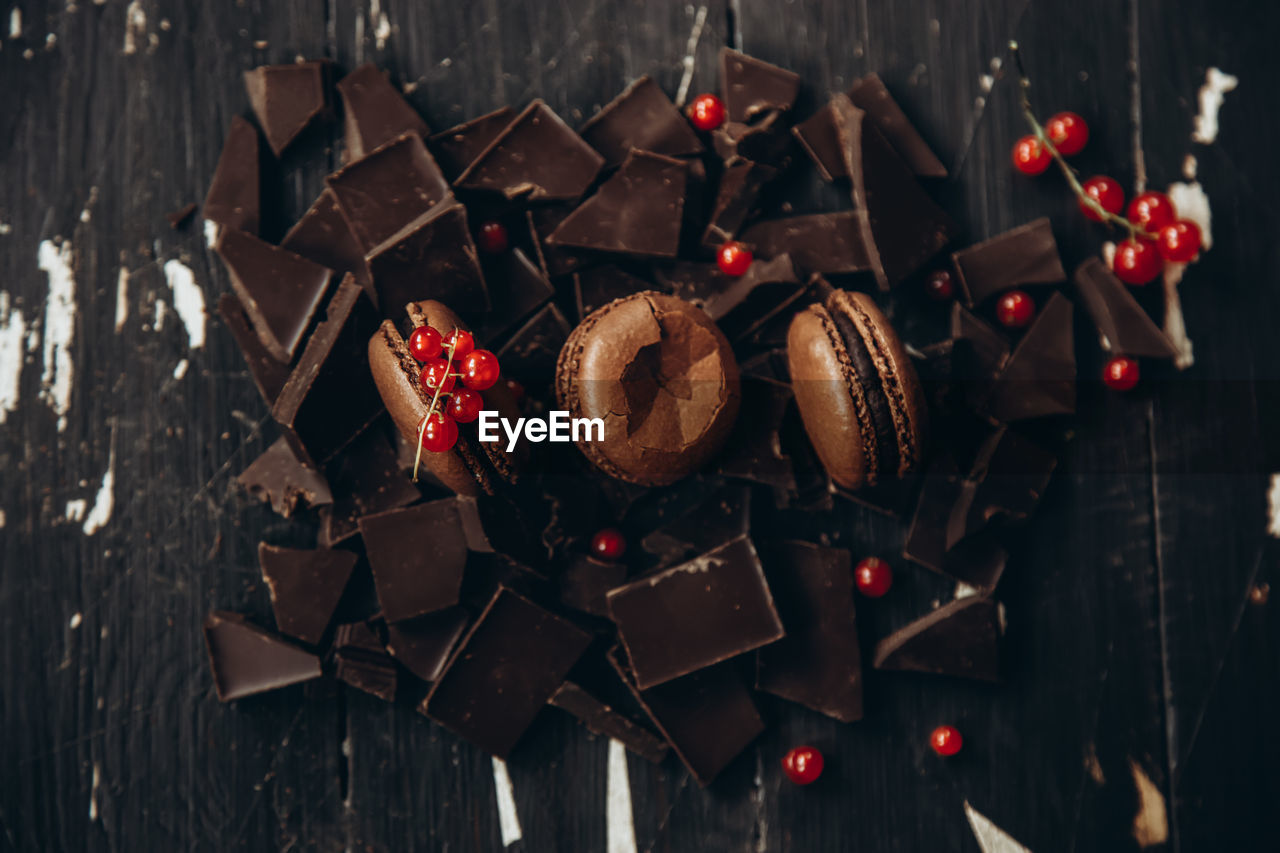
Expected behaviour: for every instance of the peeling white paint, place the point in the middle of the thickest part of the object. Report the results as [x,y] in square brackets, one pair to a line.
[690,56]
[105,502]
[2,518]
[211,231]
[1151,823]
[12,331]
[75,510]
[964,590]
[508,820]
[5,229]
[158,323]
[620,830]
[1189,166]
[381,26]
[76,619]
[991,838]
[122,299]
[1273,507]
[1216,85]
[93,791]
[15,23]
[188,301]
[59,328]
[985,82]
[1191,202]
[180,369]
[135,26]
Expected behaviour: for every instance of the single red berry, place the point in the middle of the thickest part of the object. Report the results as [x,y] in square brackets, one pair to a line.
[515,389]
[609,544]
[1120,373]
[733,258]
[460,343]
[493,237]
[938,285]
[873,577]
[1151,211]
[479,369]
[440,434]
[436,375]
[1107,192]
[1179,241]
[1015,309]
[1068,133]
[1137,261]
[424,343]
[803,765]
[706,112]
[465,405]
[1030,157]
[946,741]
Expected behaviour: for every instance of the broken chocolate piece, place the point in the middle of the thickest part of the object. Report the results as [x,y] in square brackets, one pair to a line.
[643,118]
[736,198]
[1025,256]
[516,288]
[365,479]
[268,374]
[754,450]
[277,477]
[181,216]
[417,556]
[459,146]
[423,644]
[740,305]
[554,262]
[601,719]
[764,141]
[817,242]
[601,285]
[957,639]
[246,659]
[374,111]
[432,257]
[980,352]
[585,581]
[1124,327]
[287,98]
[305,586]
[722,516]
[978,561]
[233,197]
[1009,475]
[529,357]
[1039,377]
[751,86]
[323,236]
[361,661]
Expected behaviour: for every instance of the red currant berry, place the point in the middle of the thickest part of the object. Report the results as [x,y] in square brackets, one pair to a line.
[946,741]
[459,343]
[873,577]
[479,369]
[1068,133]
[706,112]
[440,434]
[938,285]
[1179,241]
[609,544]
[1137,261]
[1107,192]
[493,237]
[515,389]
[424,343]
[1015,309]
[435,375]
[1120,373]
[1030,157]
[803,765]
[733,258]
[1151,211]
[465,405]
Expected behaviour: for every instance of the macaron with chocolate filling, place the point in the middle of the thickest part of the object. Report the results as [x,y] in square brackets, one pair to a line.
[858,394]
[661,376]
[472,467]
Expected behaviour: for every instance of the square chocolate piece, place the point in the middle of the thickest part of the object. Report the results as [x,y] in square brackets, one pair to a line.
[432,257]
[817,242]
[417,556]
[374,112]
[323,236]
[1024,256]
[459,146]
[641,118]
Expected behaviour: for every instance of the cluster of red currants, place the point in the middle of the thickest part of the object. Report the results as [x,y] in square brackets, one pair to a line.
[706,112]
[445,360]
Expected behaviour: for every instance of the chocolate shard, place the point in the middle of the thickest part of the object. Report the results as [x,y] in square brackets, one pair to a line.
[736,198]
[432,257]
[181,216]
[246,659]
[584,582]
[537,157]
[600,718]
[305,587]
[751,86]
[980,351]
[599,286]
[280,291]
[529,356]
[423,644]
[1009,476]
[739,304]
[1124,327]
[268,373]
[511,662]
[365,479]
[754,449]
[459,146]
[374,111]
[958,639]
[819,663]
[766,140]
[817,242]
[723,516]
[516,288]
[1024,256]
[978,561]
[553,261]
[278,478]
[385,190]
[329,399]
[1040,376]
[233,197]
[323,236]
[417,556]
[641,117]
[361,661]
[288,98]
[358,637]
[638,211]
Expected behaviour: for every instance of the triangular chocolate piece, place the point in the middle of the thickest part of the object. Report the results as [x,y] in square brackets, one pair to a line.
[417,556]
[529,356]
[323,236]
[459,146]
[1124,327]
[817,242]
[751,86]
[638,211]
[537,157]
[246,659]
[423,644]
[269,374]
[1021,257]
[542,222]
[736,198]
[979,561]
[959,639]
[280,479]
[584,582]
[516,290]
[305,587]
[280,291]
[432,257]
[1040,376]
[361,660]
[980,352]
[1009,475]
[365,478]
[739,304]
[287,98]
[233,198]
[374,111]
[641,117]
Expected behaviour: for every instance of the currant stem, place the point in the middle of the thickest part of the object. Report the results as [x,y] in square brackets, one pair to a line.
[417,459]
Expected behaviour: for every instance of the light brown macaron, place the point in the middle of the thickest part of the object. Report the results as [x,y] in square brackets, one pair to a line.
[472,467]
[661,376]
[857,391]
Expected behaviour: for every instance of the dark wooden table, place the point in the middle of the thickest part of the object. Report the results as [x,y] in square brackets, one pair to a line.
[1135,651]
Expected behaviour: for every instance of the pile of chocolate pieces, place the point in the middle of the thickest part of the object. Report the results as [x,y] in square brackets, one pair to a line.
[481,611]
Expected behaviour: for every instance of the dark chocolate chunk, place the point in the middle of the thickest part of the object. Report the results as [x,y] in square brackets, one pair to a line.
[980,353]
[323,236]
[288,98]
[417,556]
[233,197]
[305,586]
[1040,376]
[329,399]
[516,288]
[361,661]
[432,257]
[246,659]
[280,291]
[642,117]
[585,581]
[554,262]
[754,450]
[487,573]
[721,517]
[537,157]
[817,135]
[1009,475]
[819,663]
[959,639]
[358,636]
[459,146]
[423,644]
[600,718]
[739,304]
[511,662]
[181,216]
[599,286]
[1124,327]
[764,141]
[269,374]
[277,477]
[736,199]
[530,355]
[374,112]
[1021,257]
[638,211]
[365,479]
[817,242]
[751,86]
[978,562]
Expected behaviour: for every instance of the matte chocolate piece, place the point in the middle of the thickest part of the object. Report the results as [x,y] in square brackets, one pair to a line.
[554,262]
[358,636]
[696,614]
[365,478]
[1009,476]
[754,449]
[323,236]
[512,661]
[959,639]
[246,659]
[598,286]
[423,645]
[280,291]
[740,305]
[817,135]
[736,199]
[361,661]
[278,478]
[642,117]
[817,242]
[751,86]
[600,718]
[1124,327]
[516,288]
[487,573]
[268,374]
[387,189]
[585,581]
[328,399]
[233,197]
[374,111]
[287,98]
[1040,376]
[459,146]
[537,157]
[529,356]
[417,556]
[432,257]
[723,516]
[766,140]
[818,664]
[1024,256]
[979,561]
[305,587]
[980,352]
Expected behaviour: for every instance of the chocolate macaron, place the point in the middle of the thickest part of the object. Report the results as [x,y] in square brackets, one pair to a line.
[472,467]
[661,376]
[857,391]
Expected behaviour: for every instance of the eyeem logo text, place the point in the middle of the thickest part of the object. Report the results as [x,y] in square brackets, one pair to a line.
[558,426]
